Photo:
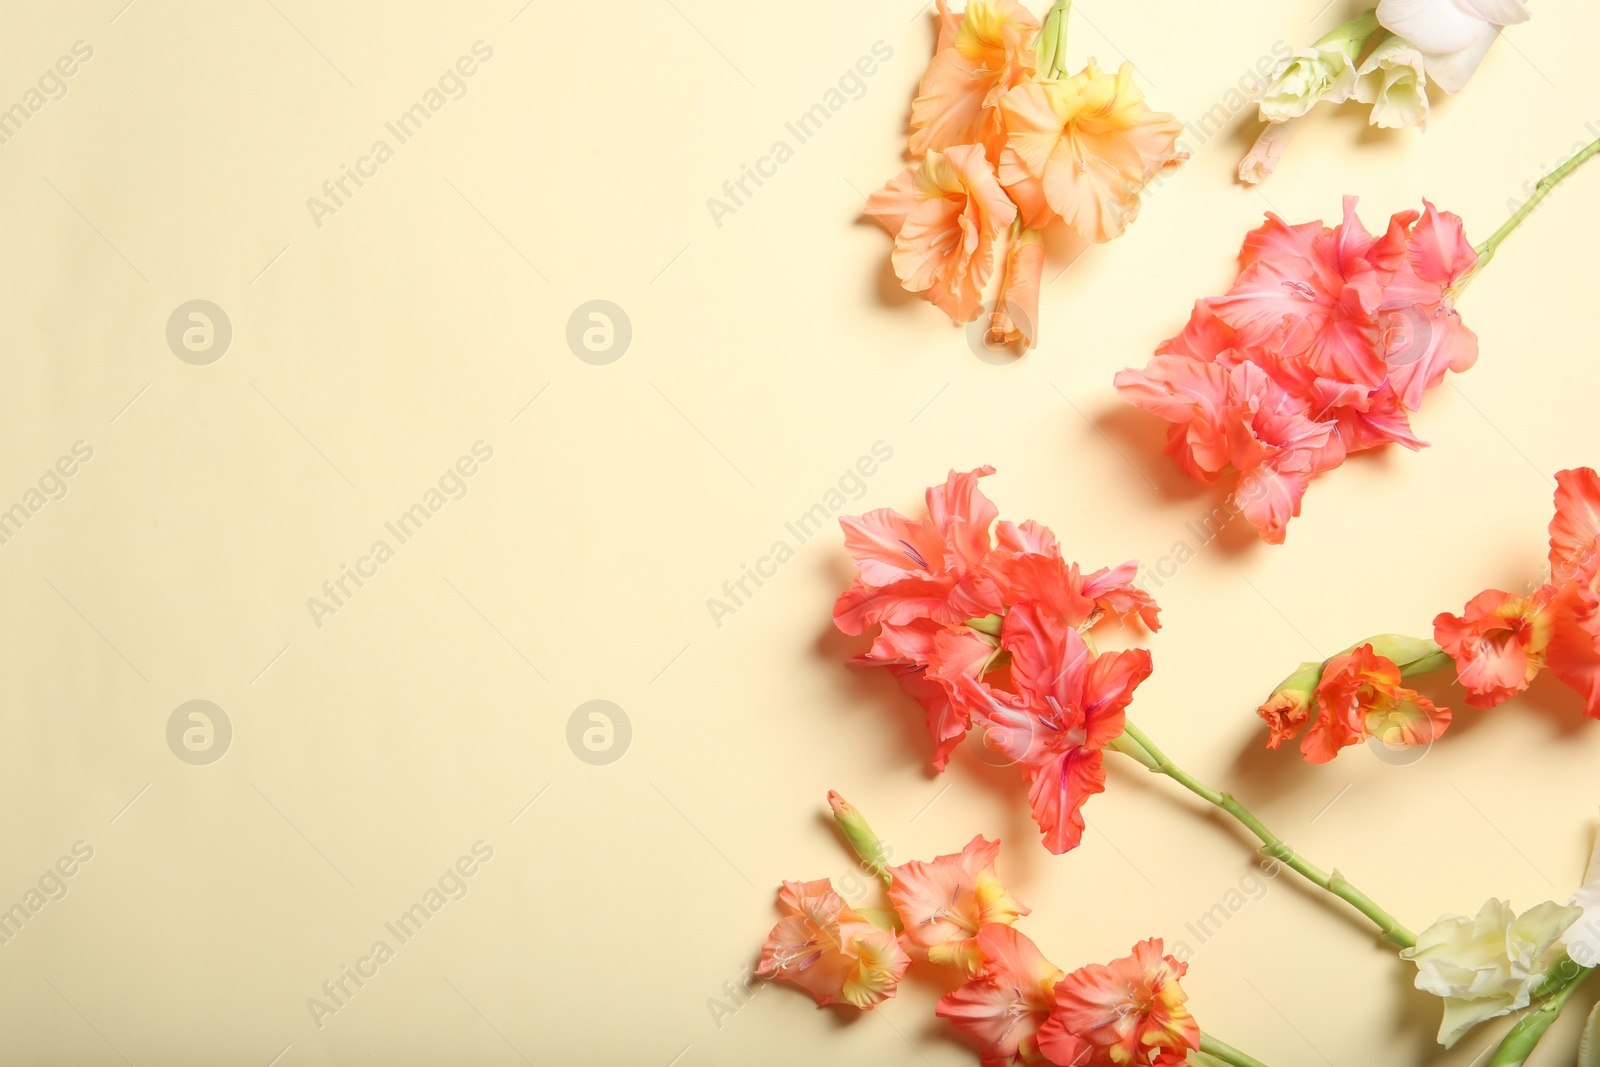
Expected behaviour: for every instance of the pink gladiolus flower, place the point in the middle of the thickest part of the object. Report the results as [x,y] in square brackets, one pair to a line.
[980,54]
[1004,1006]
[1128,1013]
[1324,344]
[946,902]
[831,951]
[1498,644]
[945,215]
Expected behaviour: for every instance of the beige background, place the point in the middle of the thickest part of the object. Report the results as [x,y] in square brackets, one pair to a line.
[767,354]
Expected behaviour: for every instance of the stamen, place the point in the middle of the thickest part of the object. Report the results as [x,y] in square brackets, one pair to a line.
[914,554]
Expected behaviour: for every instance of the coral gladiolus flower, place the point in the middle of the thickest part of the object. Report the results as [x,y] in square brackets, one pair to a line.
[978,58]
[945,215]
[831,951]
[1004,1006]
[945,903]
[1498,643]
[1084,148]
[1575,529]
[1028,566]
[1326,341]
[1574,653]
[1128,1013]
[1016,314]
[931,568]
[1360,696]
[1069,705]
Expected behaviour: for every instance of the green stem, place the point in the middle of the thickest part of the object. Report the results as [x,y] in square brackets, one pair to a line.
[1487,250]
[1271,844]
[1519,1043]
[1226,1053]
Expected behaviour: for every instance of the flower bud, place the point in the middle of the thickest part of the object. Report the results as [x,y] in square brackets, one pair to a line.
[862,840]
[1325,71]
[1288,709]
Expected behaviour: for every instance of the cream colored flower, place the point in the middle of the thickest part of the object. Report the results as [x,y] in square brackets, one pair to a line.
[1394,81]
[1583,937]
[1325,71]
[1488,966]
[1453,35]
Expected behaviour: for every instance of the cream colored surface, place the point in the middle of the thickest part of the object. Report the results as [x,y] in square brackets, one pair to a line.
[371,752]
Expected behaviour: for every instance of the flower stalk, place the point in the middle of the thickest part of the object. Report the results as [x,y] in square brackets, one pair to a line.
[1135,743]
[1488,248]
[1225,1053]
[1519,1043]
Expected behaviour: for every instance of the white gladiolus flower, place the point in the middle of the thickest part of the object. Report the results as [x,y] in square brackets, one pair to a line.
[1395,82]
[1490,965]
[1453,35]
[1583,937]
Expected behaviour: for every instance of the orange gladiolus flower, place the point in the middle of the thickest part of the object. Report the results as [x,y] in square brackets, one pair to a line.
[1083,148]
[980,57]
[945,216]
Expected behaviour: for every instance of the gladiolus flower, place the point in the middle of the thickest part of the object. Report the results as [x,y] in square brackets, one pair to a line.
[978,59]
[1453,35]
[831,951]
[1325,342]
[1394,80]
[1068,706]
[1128,1013]
[1004,1006]
[945,215]
[911,569]
[945,903]
[1360,696]
[1498,643]
[1574,653]
[1084,148]
[1016,313]
[1582,938]
[1325,71]
[1488,966]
